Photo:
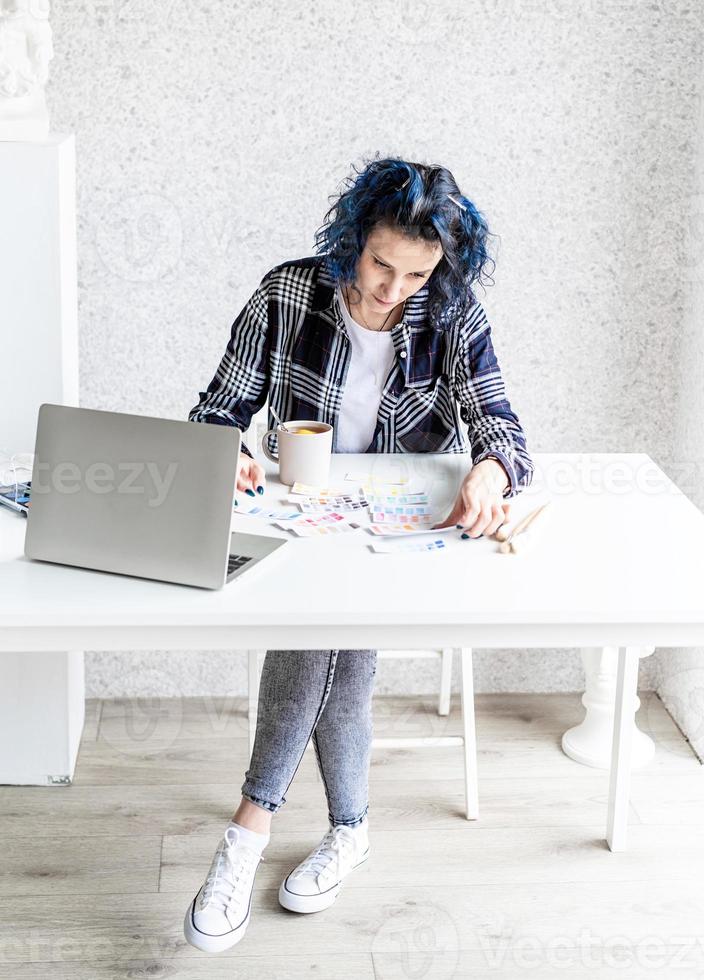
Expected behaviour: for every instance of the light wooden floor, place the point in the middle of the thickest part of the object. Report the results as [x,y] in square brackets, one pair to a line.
[95,878]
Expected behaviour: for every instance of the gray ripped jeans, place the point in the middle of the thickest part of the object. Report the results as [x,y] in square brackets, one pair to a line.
[326,695]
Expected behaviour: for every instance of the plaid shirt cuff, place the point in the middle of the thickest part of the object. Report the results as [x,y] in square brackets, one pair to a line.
[512,489]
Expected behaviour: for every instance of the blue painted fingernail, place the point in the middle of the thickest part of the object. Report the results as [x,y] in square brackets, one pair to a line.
[260,489]
[464,536]
[250,492]
[236,504]
[459,526]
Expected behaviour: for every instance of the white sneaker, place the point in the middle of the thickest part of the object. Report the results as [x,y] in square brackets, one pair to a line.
[218,916]
[314,884]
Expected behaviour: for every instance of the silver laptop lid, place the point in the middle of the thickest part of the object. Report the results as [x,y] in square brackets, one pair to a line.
[133,494]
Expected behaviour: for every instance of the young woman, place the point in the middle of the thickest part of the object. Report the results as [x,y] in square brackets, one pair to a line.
[381,335]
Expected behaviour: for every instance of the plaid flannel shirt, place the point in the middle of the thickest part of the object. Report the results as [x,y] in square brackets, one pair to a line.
[289,344]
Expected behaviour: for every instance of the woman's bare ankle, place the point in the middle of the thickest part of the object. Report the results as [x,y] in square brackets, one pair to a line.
[253,817]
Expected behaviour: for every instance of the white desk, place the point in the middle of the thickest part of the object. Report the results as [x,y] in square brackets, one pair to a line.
[627,575]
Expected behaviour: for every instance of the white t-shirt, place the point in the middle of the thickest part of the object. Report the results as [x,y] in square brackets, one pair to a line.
[372,357]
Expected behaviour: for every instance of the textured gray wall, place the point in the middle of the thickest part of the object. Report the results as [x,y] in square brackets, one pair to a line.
[680,675]
[209,136]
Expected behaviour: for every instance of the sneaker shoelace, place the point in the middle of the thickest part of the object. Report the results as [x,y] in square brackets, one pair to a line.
[230,872]
[334,849]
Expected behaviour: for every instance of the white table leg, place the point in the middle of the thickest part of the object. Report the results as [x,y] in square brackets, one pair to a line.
[469,735]
[42,710]
[619,783]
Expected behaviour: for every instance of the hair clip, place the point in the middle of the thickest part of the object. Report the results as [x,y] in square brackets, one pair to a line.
[405,182]
[458,203]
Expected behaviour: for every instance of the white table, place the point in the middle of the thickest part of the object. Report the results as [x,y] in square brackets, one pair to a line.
[628,574]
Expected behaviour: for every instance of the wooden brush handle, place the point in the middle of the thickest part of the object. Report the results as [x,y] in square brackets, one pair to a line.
[503,533]
[527,538]
[527,521]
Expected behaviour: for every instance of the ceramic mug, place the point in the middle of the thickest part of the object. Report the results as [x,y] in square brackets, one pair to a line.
[305,447]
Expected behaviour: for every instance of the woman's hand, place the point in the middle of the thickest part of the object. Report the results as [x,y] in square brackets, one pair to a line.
[250,476]
[480,508]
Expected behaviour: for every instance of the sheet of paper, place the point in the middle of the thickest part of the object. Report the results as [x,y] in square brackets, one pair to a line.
[375,479]
[389,530]
[402,546]
[382,491]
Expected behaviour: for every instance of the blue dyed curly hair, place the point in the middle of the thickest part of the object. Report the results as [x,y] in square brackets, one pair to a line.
[419,201]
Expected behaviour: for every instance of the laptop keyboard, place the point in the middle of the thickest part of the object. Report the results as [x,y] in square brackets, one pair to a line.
[235,562]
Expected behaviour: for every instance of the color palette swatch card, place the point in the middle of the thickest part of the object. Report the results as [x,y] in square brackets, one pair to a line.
[345,502]
[403,546]
[330,517]
[382,491]
[305,530]
[405,514]
[389,530]
[380,501]
[254,510]
[310,491]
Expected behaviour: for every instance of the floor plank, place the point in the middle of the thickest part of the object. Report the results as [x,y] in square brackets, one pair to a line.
[235,965]
[479,856]
[553,960]
[53,864]
[677,798]
[176,809]
[470,917]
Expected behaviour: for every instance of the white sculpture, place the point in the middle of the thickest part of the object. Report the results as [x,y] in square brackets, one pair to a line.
[590,742]
[25,53]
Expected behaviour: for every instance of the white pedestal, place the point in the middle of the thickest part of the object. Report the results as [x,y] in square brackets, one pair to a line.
[38,293]
[41,694]
[42,709]
[590,742]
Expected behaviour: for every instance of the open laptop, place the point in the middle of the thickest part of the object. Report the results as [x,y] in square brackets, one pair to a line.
[139,496]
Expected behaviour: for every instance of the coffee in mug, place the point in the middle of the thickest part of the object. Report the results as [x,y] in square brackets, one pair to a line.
[305,448]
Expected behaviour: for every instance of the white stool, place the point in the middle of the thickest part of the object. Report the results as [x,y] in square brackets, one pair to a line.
[467,739]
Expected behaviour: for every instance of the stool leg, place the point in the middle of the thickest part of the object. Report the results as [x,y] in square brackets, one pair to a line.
[253,667]
[445,681]
[469,735]
[620,776]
